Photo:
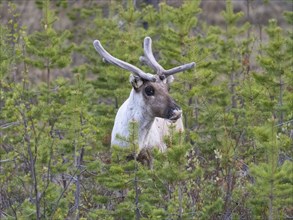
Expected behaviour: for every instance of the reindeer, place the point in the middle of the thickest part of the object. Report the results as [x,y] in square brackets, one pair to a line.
[149,103]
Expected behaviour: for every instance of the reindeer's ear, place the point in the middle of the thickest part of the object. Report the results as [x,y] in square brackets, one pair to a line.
[169,79]
[135,81]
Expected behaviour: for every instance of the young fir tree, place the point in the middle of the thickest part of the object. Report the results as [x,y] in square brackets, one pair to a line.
[231,119]
[10,55]
[218,109]
[11,35]
[273,172]
[271,191]
[124,180]
[33,143]
[55,52]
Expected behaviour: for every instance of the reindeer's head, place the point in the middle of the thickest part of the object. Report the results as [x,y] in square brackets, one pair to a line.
[152,90]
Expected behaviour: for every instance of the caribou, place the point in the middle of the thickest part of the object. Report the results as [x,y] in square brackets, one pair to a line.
[149,103]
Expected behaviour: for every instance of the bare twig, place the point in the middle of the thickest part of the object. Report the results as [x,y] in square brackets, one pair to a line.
[32,159]
[7,160]
[9,124]
[61,195]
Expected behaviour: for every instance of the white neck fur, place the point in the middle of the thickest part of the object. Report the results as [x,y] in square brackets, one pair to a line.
[133,109]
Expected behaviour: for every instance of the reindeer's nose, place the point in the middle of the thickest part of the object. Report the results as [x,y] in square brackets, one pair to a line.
[174,113]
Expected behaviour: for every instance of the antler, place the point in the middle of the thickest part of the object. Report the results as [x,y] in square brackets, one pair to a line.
[150,60]
[124,65]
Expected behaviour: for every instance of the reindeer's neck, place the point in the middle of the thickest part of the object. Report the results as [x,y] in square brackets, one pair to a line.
[150,130]
[137,113]
[133,109]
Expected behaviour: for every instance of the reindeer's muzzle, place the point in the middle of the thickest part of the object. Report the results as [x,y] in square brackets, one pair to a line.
[174,113]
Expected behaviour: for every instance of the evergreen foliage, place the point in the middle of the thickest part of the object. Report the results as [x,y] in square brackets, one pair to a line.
[58,101]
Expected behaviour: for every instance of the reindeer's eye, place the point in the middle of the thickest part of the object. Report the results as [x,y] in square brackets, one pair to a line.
[149,90]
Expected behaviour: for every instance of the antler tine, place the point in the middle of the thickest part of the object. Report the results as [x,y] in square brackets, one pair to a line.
[179,69]
[150,60]
[124,65]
